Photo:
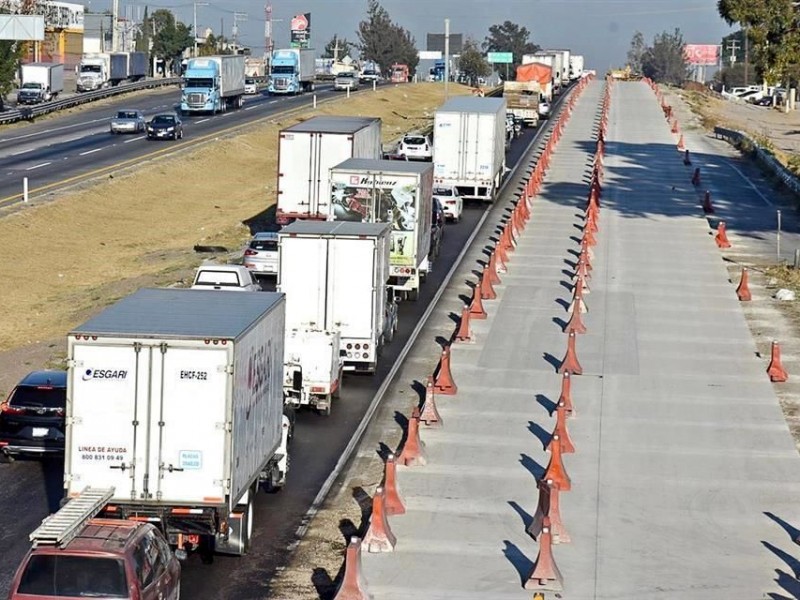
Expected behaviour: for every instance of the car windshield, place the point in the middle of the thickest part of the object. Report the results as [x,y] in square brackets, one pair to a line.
[90,69]
[264,245]
[163,120]
[249,81]
[414,140]
[31,86]
[222,278]
[126,114]
[348,75]
[41,396]
[199,82]
[283,70]
[442,192]
[74,577]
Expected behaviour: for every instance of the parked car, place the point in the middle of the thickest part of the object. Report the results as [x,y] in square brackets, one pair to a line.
[250,86]
[451,201]
[127,121]
[437,228]
[111,558]
[346,80]
[32,418]
[766,101]
[544,109]
[165,126]
[236,278]
[416,146]
[261,255]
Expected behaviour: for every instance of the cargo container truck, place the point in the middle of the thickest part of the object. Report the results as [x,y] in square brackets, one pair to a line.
[213,84]
[576,66]
[41,82]
[522,99]
[292,71]
[127,66]
[175,400]
[312,368]
[307,152]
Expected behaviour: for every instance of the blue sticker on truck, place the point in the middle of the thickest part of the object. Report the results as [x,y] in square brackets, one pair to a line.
[190,459]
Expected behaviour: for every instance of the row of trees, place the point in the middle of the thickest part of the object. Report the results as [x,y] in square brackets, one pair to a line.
[663,61]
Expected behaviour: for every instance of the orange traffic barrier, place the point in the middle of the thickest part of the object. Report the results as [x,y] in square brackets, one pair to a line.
[708,207]
[476,310]
[575,323]
[493,276]
[570,363]
[379,536]
[549,507]
[545,575]
[487,291]
[393,501]
[565,396]
[743,289]
[555,468]
[502,257]
[429,415]
[464,331]
[675,127]
[560,432]
[353,586]
[413,454]
[681,144]
[775,369]
[444,383]
[722,236]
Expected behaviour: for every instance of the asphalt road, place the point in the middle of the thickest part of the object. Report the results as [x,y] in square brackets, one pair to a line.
[76,146]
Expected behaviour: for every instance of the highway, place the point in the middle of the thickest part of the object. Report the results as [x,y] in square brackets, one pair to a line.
[77,146]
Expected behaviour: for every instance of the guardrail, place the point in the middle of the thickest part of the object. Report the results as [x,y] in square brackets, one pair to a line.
[762,155]
[27,113]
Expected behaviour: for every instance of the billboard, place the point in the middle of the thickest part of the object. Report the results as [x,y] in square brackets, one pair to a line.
[701,54]
[301,31]
[436,42]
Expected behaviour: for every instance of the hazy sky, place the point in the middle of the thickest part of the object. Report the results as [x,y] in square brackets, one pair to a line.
[599,29]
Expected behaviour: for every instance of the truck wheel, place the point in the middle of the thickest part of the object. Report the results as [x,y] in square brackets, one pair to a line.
[206,549]
[413,295]
[390,334]
[326,412]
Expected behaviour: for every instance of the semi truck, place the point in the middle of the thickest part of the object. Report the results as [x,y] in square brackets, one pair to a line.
[213,84]
[552,59]
[292,71]
[41,82]
[522,98]
[174,400]
[400,73]
[539,73]
[564,63]
[576,66]
[306,153]
[93,72]
[469,153]
[127,66]
[335,277]
[394,192]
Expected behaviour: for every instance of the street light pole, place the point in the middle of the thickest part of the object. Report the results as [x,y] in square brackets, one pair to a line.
[194,31]
[446,58]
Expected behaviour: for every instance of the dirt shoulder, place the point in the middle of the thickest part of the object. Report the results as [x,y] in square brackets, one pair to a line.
[139,228]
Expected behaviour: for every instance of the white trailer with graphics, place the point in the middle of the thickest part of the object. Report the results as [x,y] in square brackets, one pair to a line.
[395,192]
[175,400]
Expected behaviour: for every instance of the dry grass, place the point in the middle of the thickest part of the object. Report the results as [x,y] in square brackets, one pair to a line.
[138,229]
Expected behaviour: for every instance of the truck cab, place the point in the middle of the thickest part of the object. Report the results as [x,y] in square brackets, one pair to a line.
[213,84]
[33,93]
[290,73]
[399,73]
[92,74]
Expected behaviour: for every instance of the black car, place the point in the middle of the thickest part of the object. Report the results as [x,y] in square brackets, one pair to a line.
[437,228]
[165,126]
[32,419]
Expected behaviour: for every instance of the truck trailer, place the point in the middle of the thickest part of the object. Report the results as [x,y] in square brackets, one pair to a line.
[41,82]
[470,148]
[394,192]
[306,153]
[213,84]
[127,66]
[335,276]
[576,66]
[522,98]
[174,400]
[293,71]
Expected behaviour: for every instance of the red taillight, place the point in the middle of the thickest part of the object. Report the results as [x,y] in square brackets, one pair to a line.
[250,252]
[7,409]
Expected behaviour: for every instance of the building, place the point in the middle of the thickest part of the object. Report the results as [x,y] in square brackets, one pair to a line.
[63,31]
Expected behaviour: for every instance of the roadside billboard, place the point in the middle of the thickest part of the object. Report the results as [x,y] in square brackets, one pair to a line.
[701,54]
[301,31]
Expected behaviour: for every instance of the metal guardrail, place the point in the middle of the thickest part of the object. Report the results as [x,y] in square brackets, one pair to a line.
[29,112]
[762,155]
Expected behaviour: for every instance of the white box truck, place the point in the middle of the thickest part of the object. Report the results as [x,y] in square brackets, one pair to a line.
[93,71]
[565,65]
[335,276]
[40,82]
[312,368]
[307,152]
[175,399]
[553,60]
[576,66]
[394,192]
[469,149]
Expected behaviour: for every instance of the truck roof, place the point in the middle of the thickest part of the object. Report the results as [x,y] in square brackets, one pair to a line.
[338,228]
[332,124]
[473,104]
[375,165]
[181,313]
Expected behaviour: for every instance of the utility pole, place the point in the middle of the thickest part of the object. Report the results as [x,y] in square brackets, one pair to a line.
[115,26]
[446,58]
[746,57]
[268,34]
[194,30]
[237,17]
[733,46]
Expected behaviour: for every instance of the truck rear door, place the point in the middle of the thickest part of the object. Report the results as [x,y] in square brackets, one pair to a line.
[295,172]
[448,151]
[303,278]
[351,293]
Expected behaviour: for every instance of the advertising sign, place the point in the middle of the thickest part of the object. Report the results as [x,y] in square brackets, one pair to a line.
[301,31]
[701,54]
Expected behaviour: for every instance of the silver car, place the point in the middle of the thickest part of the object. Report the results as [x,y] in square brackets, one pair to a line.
[128,121]
[346,80]
[261,255]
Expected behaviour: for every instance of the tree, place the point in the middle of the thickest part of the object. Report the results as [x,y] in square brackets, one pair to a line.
[145,33]
[771,26]
[10,54]
[636,52]
[170,37]
[472,63]
[664,61]
[384,42]
[214,44]
[510,37]
[344,47]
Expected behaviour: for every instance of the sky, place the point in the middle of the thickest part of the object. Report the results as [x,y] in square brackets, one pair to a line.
[601,30]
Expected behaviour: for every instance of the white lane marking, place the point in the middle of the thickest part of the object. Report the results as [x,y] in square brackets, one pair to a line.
[272,102]
[37,166]
[750,183]
[23,152]
[251,107]
[45,131]
[136,139]
[90,151]
[203,120]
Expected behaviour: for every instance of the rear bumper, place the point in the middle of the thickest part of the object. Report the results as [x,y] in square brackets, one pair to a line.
[31,448]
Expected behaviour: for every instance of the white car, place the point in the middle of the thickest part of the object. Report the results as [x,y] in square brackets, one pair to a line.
[250,86]
[451,201]
[236,278]
[261,255]
[544,109]
[416,146]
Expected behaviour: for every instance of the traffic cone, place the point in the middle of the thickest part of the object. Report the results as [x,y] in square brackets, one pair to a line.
[413,453]
[565,396]
[577,303]
[353,586]
[696,176]
[560,432]
[681,144]
[545,575]
[708,207]
[743,289]
[444,383]
[570,363]
[555,468]
[464,332]
[549,507]
[493,276]
[775,369]
[575,323]
[429,415]
[687,160]
[476,310]
[379,536]
[675,128]
[393,501]
[722,236]
[487,291]
[502,258]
